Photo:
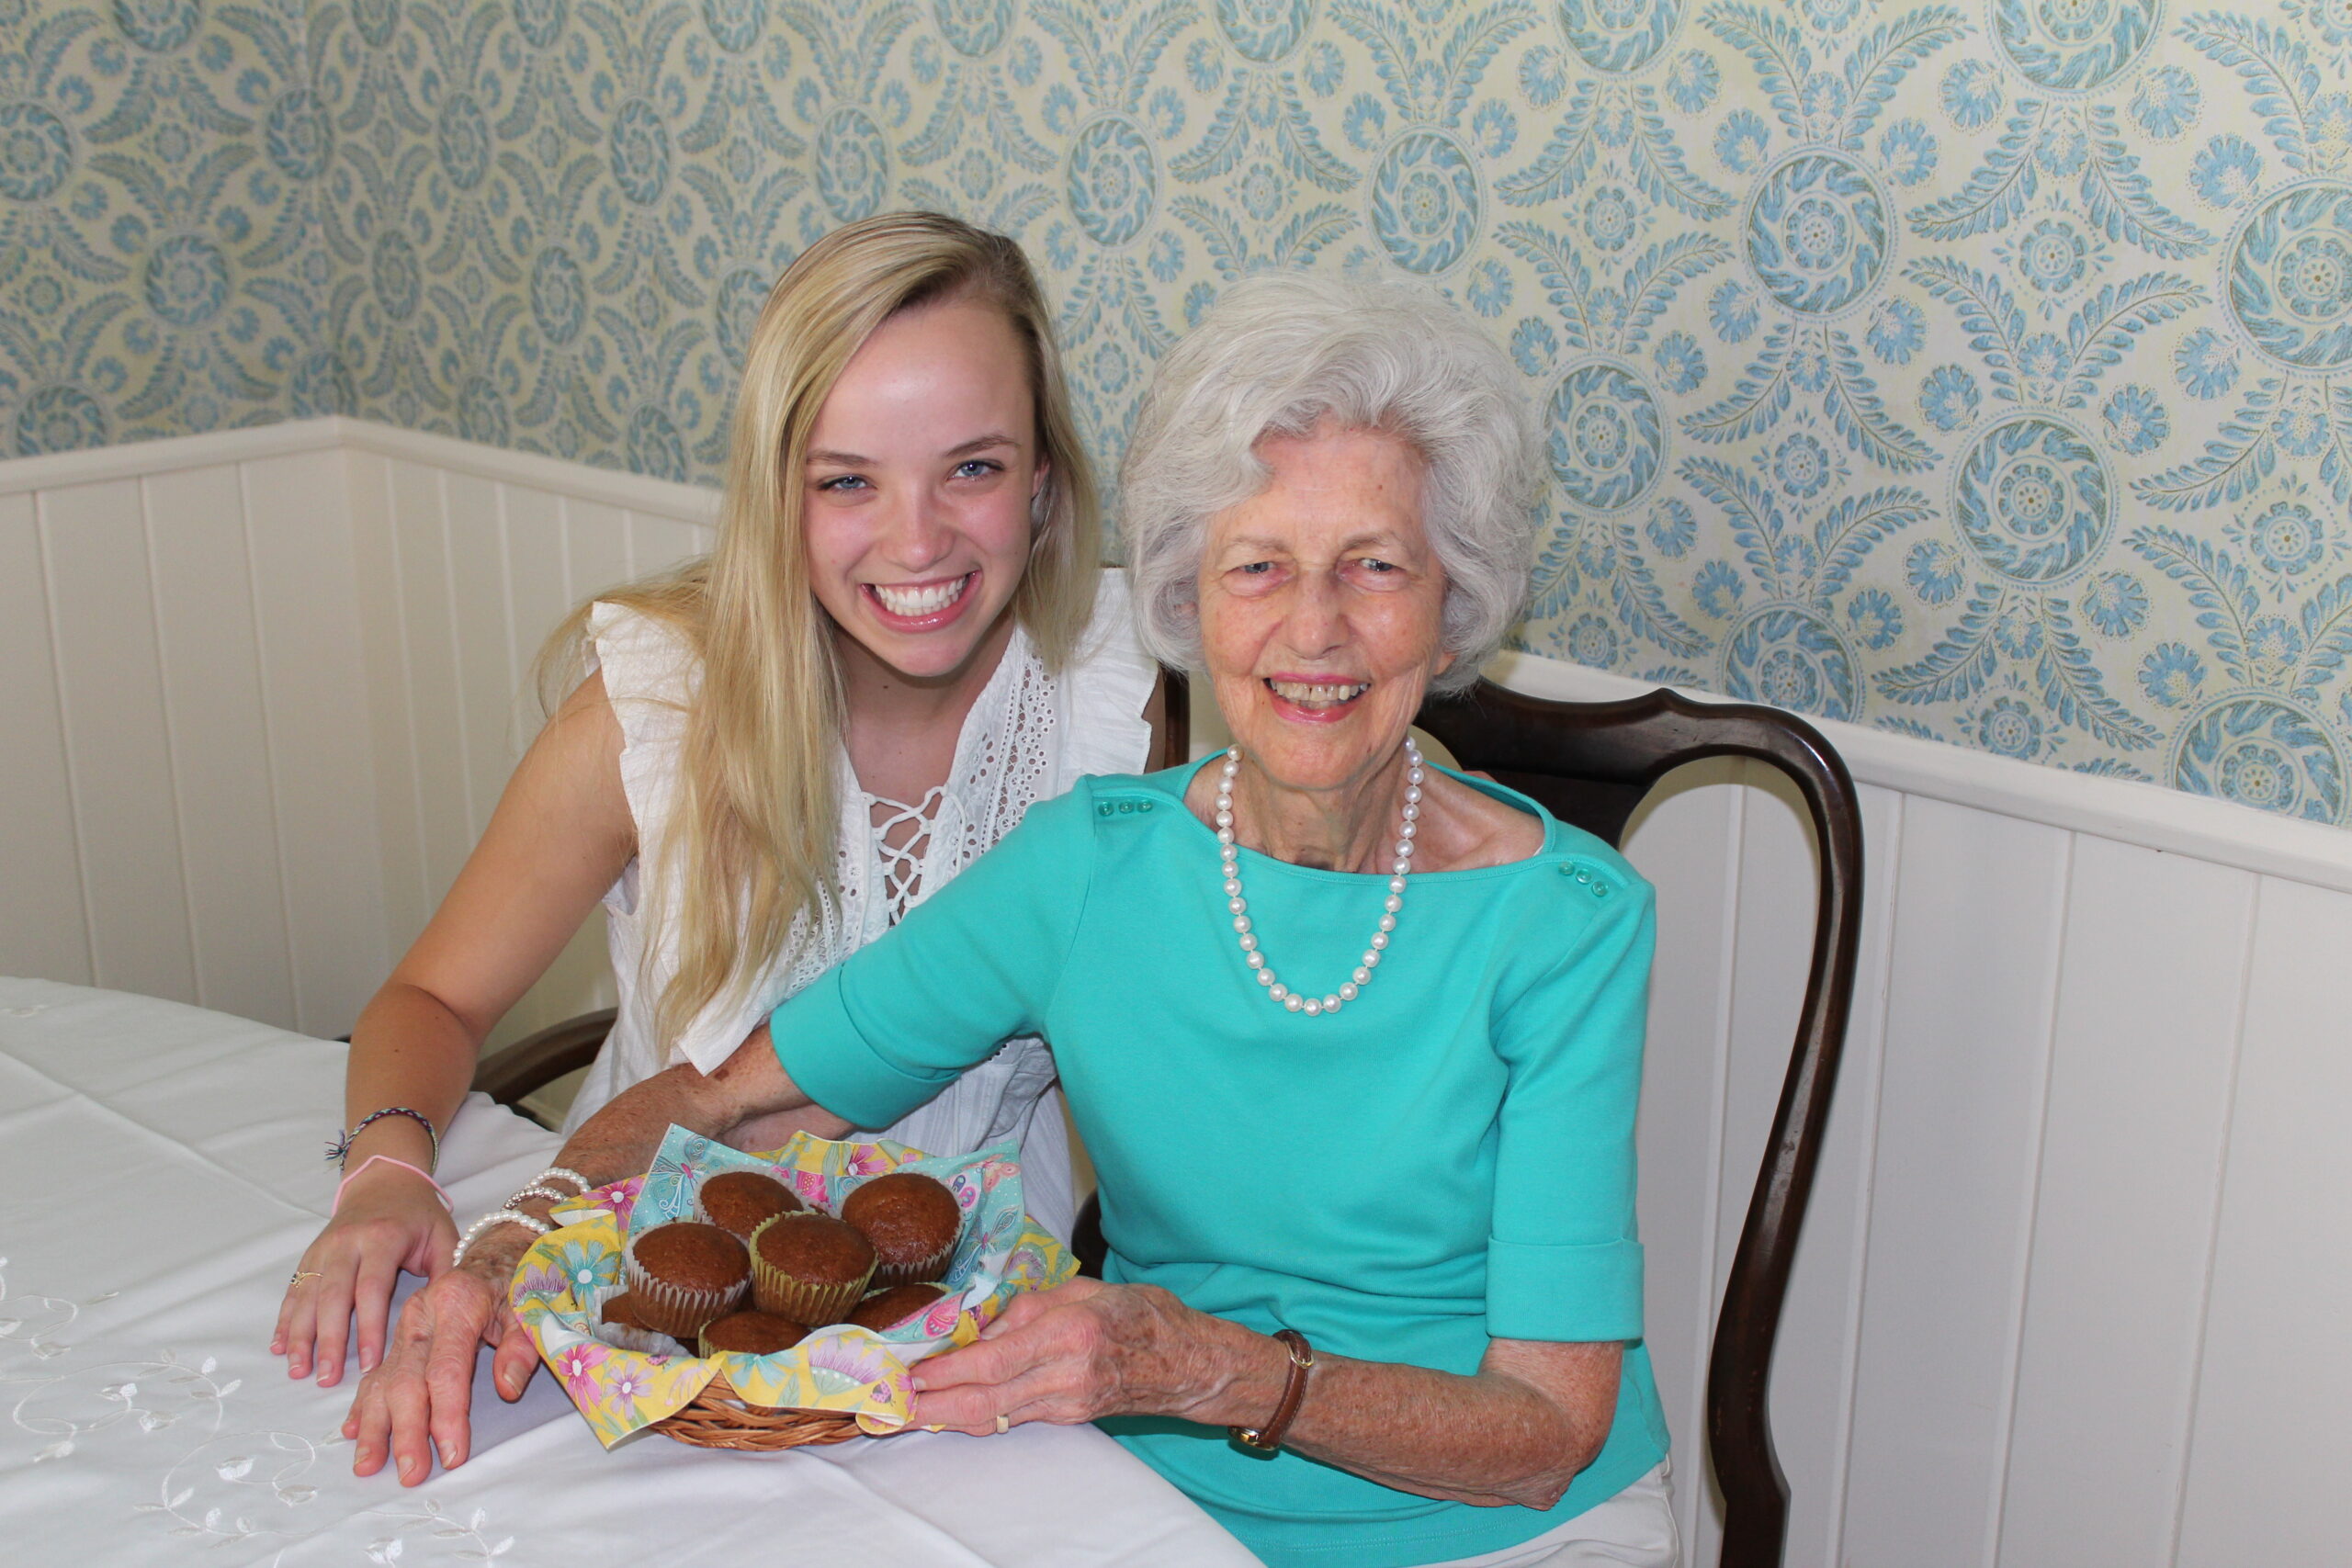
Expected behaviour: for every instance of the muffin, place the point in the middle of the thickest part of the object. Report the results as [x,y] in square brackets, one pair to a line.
[683,1274]
[913,1221]
[888,1309]
[752,1334]
[620,1324]
[809,1267]
[737,1201]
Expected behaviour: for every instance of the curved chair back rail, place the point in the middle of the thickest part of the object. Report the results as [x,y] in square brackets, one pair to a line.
[538,1060]
[1591,763]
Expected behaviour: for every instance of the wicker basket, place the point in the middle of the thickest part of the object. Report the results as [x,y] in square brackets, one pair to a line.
[718,1418]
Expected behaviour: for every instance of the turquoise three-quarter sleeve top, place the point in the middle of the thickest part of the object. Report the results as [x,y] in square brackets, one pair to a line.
[1448,1159]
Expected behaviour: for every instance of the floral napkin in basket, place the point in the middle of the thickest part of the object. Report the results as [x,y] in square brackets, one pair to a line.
[565,1278]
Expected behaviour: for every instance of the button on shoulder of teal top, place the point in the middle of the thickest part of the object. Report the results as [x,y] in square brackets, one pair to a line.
[1121,807]
[1585,876]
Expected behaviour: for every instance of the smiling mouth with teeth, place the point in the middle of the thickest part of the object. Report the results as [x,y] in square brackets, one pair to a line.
[1318,696]
[929,600]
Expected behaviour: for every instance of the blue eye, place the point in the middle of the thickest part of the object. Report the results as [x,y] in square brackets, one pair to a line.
[841,481]
[976,467]
[1259,567]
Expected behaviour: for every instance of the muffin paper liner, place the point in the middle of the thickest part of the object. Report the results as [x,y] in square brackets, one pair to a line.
[620,1339]
[678,1311]
[803,1301]
[563,1281]
[703,1347]
[921,1272]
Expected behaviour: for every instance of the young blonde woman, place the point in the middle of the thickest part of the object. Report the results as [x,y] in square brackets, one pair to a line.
[900,642]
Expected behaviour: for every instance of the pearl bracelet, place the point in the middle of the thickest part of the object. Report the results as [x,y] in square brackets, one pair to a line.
[539,1187]
[552,1194]
[531,1223]
[508,1210]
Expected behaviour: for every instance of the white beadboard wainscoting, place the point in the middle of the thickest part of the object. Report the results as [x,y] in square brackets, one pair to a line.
[2071,1288]
[265,688]
[188,776]
[2076,1280]
[468,559]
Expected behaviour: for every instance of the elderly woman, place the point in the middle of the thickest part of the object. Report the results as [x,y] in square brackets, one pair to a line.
[1354,1042]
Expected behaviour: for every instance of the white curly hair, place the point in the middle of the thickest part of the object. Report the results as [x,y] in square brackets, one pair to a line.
[1278,355]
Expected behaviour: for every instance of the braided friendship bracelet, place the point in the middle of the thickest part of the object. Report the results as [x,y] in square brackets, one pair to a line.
[339,1150]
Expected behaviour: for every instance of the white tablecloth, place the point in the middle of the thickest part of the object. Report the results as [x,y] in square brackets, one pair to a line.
[159,1174]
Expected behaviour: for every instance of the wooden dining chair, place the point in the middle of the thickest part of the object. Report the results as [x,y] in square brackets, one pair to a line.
[512,1074]
[1591,765]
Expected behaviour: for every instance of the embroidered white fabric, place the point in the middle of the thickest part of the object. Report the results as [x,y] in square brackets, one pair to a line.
[1029,736]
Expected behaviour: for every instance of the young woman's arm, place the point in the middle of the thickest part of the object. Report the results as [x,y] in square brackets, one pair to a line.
[561,836]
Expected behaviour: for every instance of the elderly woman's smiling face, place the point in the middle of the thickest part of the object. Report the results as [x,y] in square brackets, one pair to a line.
[1319,605]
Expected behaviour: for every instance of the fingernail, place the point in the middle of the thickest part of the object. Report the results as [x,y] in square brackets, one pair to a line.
[367,1359]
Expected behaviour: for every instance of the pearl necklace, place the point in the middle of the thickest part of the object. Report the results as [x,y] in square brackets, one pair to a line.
[1229,851]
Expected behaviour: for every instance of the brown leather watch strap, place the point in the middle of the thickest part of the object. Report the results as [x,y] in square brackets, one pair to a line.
[1269,1437]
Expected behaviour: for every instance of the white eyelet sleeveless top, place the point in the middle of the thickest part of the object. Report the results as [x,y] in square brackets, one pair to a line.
[1029,736]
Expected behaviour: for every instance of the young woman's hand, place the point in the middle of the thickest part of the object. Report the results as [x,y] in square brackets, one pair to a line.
[390,1219]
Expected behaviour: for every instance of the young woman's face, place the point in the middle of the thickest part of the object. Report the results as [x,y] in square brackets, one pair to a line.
[918,485]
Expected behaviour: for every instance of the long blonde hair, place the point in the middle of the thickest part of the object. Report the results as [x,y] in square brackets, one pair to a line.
[750,844]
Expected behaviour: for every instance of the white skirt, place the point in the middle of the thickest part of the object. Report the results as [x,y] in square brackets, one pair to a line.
[1633,1530]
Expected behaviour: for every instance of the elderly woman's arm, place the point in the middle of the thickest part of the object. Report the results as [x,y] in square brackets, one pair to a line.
[1516,1433]
[422,1392]
[1562,1270]
[1563,1285]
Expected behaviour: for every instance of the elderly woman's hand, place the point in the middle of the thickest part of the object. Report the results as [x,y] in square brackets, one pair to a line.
[424,1389]
[1086,1349]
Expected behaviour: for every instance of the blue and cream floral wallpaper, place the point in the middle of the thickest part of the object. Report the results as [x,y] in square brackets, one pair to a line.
[1978,371]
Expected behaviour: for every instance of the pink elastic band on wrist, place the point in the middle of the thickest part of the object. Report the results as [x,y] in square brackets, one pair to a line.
[386,1159]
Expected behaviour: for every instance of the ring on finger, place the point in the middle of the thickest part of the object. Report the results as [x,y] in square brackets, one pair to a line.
[1003,1423]
[302,1274]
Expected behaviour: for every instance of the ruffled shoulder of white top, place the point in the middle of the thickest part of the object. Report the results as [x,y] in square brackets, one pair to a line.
[1107,688]
[651,673]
